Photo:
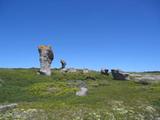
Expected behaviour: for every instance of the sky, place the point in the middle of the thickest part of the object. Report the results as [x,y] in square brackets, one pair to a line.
[94,34]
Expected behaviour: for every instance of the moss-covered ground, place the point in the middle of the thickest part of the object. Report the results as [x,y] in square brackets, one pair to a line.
[53,98]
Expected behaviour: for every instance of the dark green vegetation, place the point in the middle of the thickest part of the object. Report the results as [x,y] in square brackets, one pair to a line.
[54,97]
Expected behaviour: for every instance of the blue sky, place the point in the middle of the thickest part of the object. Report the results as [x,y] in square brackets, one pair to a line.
[91,34]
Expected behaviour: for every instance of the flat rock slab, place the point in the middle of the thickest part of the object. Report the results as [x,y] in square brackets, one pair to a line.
[4,108]
[145,79]
[151,77]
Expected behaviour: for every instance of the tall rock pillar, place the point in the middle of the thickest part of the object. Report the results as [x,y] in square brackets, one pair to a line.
[46,57]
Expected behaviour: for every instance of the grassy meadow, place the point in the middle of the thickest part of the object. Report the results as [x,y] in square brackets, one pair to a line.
[53,98]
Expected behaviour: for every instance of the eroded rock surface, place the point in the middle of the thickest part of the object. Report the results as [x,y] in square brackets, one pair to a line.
[46,58]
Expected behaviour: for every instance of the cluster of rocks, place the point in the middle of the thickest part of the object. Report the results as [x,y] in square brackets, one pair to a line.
[117,74]
[47,56]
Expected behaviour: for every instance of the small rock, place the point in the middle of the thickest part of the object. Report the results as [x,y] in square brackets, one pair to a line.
[82,92]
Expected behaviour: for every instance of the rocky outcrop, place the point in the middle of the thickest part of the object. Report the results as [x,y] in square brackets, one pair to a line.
[119,75]
[63,64]
[46,58]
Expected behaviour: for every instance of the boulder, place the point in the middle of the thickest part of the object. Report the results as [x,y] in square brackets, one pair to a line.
[119,75]
[104,71]
[63,64]
[46,58]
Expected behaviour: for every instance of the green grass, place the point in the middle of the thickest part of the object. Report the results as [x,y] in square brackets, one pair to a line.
[54,97]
